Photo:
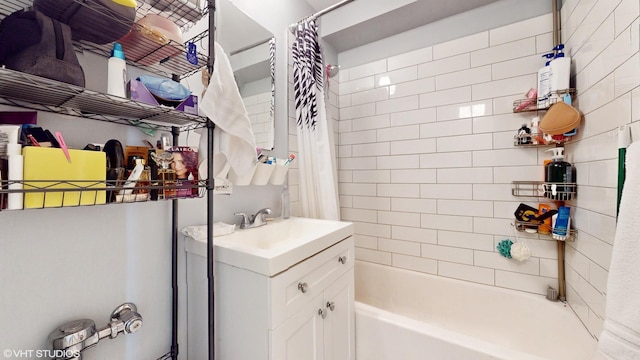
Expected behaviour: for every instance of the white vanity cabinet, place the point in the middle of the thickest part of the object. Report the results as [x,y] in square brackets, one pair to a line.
[304,312]
[319,322]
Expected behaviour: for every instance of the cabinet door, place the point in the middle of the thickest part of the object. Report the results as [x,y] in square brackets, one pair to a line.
[339,325]
[300,337]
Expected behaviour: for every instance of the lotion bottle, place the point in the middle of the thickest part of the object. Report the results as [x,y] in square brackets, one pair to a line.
[544,86]
[560,73]
[117,72]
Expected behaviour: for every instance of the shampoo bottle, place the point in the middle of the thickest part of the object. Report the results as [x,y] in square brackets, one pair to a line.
[557,173]
[544,87]
[560,68]
[117,72]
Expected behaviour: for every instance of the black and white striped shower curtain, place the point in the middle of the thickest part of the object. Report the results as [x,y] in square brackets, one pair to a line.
[318,185]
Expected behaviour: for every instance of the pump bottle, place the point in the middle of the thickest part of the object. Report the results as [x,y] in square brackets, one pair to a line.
[560,68]
[557,173]
[117,72]
[544,85]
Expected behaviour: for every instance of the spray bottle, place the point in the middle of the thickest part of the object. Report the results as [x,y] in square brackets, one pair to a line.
[557,173]
[537,136]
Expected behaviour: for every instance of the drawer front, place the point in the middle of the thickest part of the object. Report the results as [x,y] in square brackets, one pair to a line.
[294,288]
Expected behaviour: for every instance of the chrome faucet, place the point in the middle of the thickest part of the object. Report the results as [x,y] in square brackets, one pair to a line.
[256,220]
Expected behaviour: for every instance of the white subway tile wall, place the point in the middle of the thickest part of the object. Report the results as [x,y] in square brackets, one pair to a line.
[427,159]
[603,39]
[259,111]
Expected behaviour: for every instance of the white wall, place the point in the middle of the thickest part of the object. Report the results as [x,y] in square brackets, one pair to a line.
[603,37]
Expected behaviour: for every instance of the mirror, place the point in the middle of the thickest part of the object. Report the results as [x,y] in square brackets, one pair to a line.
[249,47]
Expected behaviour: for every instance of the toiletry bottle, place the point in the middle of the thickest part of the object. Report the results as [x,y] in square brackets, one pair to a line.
[117,72]
[15,200]
[544,228]
[562,224]
[560,72]
[536,134]
[153,175]
[524,135]
[544,87]
[286,205]
[145,178]
[557,173]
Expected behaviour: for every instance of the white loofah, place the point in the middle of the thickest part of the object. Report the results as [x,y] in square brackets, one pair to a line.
[520,251]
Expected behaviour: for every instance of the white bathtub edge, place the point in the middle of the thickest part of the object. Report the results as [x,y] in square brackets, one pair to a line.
[442,334]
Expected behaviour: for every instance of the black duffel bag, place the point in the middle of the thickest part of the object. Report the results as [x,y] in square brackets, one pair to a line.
[33,43]
[97,21]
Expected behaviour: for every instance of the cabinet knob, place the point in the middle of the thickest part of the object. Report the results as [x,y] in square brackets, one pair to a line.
[342,259]
[322,313]
[303,286]
[331,305]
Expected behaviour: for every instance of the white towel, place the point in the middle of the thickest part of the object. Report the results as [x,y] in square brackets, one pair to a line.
[199,232]
[233,137]
[620,338]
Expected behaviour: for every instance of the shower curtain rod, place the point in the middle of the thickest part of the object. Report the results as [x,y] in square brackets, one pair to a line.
[342,3]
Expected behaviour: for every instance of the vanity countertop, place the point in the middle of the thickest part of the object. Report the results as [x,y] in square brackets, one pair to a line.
[275,247]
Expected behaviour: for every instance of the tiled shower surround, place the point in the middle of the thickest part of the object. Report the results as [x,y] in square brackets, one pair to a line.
[426,155]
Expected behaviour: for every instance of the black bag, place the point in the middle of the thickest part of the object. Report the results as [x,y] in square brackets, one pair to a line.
[97,21]
[32,43]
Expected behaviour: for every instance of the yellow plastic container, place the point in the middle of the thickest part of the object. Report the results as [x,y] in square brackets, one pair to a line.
[47,167]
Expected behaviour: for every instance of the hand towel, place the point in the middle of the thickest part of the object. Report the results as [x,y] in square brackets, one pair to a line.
[199,232]
[234,141]
[620,338]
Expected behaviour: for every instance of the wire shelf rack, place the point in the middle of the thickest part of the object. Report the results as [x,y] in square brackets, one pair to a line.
[37,93]
[520,105]
[182,13]
[533,228]
[541,189]
[39,194]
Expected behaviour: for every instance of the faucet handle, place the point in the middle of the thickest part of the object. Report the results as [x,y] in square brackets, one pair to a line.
[245,219]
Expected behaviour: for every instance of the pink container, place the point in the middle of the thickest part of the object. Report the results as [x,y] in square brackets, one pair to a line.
[152,39]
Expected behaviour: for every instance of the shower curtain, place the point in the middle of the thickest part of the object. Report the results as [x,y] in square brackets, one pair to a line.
[318,182]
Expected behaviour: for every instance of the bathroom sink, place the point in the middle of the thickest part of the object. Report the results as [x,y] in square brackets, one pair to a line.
[273,248]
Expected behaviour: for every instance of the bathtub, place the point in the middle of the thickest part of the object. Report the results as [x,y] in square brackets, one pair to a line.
[406,315]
